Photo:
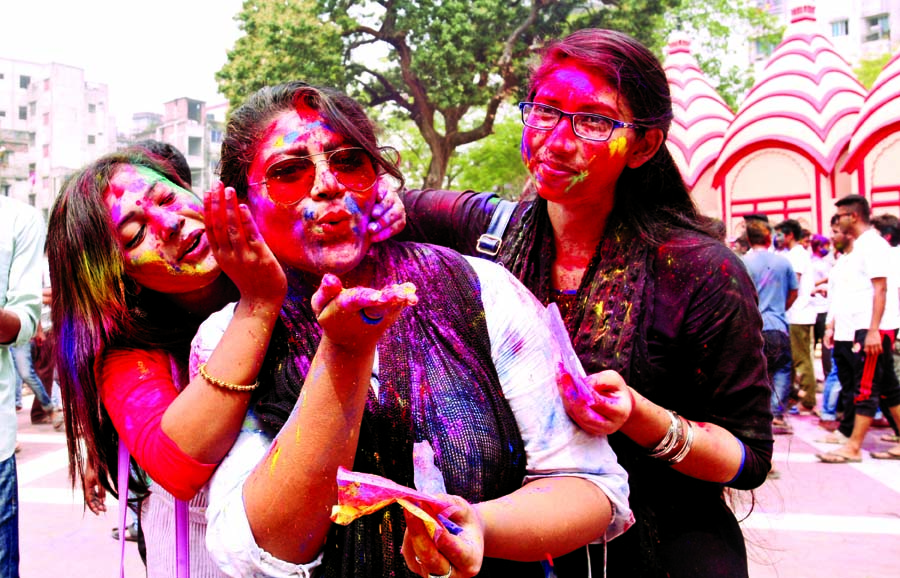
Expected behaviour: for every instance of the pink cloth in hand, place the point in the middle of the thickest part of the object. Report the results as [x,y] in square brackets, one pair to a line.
[361,494]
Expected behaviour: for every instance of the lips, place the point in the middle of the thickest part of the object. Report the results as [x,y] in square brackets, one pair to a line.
[334,221]
[190,244]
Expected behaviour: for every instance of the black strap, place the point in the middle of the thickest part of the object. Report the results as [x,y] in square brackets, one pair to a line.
[490,242]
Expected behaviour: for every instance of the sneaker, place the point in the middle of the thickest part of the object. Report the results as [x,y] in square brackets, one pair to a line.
[131,533]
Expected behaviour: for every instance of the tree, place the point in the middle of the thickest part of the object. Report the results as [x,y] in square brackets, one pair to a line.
[721,31]
[868,69]
[446,65]
[492,164]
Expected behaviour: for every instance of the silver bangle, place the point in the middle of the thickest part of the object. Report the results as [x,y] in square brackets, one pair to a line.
[688,442]
[670,440]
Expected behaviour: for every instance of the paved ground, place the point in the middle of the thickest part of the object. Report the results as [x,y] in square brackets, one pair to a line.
[815,521]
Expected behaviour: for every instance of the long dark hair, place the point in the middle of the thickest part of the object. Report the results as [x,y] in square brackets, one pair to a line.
[96,305]
[653,197]
[247,123]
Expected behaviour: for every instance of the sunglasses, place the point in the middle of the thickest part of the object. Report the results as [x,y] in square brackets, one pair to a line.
[291,179]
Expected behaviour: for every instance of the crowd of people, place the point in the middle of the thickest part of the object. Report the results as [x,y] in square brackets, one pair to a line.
[221,358]
[840,297]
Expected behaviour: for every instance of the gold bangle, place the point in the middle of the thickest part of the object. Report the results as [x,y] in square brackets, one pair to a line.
[225,384]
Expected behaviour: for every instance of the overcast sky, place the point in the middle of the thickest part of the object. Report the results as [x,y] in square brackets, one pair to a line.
[146,56]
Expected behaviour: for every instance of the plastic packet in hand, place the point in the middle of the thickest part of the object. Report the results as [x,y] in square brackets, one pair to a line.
[426,475]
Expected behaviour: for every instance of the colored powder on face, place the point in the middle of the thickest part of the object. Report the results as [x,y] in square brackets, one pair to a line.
[279,142]
[577,179]
[290,137]
[351,205]
[309,214]
[618,146]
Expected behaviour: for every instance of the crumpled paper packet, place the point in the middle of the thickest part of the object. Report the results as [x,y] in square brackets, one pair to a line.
[362,494]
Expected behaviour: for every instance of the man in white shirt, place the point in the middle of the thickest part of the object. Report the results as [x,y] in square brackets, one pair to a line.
[21,246]
[801,316]
[862,325]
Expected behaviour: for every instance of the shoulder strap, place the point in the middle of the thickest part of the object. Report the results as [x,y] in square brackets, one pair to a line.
[490,242]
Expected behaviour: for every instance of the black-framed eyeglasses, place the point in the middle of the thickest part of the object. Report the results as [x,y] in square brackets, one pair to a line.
[588,126]
[291,179]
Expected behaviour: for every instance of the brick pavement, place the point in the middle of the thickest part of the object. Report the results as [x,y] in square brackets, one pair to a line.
[815,521]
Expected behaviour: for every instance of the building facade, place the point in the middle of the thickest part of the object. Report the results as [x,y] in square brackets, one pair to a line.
[52,122]
[858,29]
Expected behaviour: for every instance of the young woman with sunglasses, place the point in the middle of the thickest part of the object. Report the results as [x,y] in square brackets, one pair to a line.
[467,369]
[615,240]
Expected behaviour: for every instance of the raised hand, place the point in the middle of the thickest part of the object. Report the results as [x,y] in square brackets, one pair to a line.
[458,554]
[388,215]
[358,316]
[240,249]
[600,405]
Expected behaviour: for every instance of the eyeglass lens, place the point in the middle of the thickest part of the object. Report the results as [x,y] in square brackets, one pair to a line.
[589,126]
[289,180]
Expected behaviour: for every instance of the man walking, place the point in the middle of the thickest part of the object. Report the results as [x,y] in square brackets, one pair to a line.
[21,247]
[862,326]
[801,315]
[776,285]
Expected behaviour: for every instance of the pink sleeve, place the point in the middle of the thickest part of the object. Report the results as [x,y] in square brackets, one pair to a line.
[136,388]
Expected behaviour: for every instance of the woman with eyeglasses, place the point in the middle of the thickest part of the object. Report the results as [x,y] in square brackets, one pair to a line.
[465,365]
[612,236]
[137,261]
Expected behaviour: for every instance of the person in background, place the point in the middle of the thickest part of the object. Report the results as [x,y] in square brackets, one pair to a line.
[831,393]
[21,247]
[615,240]
[776,284]
[862,327]
[801,316]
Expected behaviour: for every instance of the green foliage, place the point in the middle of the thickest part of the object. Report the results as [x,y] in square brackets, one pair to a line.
[868,69]
[445,65]
[493,163]
[718,30]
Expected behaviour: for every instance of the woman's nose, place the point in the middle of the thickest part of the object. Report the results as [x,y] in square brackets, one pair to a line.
[562,137]
[326,186]
[168,223]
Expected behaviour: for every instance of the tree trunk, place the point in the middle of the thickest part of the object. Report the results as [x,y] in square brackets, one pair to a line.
[437,168]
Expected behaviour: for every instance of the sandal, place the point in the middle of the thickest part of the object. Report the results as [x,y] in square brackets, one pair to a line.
[884,456]
[894,439]
[836,458]
[834,437]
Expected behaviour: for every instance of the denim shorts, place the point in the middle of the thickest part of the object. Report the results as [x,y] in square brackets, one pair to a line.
[9,519]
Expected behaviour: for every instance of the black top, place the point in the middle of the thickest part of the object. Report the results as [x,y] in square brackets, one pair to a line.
[704,360]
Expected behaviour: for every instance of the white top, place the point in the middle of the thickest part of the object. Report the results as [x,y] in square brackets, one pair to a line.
[821,267]
[21,247]
[554,445]
[851,290]
[802,311]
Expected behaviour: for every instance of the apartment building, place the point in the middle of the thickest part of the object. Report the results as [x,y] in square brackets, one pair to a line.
[191,127]
[52,122]
[859,29]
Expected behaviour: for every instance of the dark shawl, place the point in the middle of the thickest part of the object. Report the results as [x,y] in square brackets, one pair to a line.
[437,382]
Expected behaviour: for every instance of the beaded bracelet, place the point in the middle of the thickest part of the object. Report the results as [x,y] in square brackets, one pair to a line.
[225,384]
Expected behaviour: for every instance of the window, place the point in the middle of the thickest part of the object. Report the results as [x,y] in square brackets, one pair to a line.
[195,144]
[2,113]
[24,81]
[92,108]
[2,76]
[840,28]
[92,139]
[876,28]
[194,110]
[32,199]
[4,188]
[32,108]
[23,113]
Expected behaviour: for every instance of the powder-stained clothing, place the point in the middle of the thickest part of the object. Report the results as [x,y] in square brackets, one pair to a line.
[696,349]
[774,278]
[525,370]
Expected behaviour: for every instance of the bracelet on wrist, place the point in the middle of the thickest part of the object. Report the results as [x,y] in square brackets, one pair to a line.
[224,384]
[688,443]
[670,441]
